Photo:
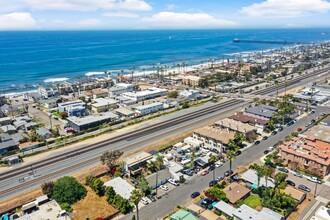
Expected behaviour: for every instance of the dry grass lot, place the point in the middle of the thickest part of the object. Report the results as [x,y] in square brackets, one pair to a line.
[93,207]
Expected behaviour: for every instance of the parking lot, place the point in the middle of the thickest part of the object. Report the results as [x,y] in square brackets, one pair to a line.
[44,119]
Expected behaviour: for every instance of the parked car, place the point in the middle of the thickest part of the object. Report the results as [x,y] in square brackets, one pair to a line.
[174,182]
[218,164]
[282,169]
[270,164]
[205,202]
[211,168]
[291,183]
[212,183]
[238,152]
[215,151]
[305,188]
[299,129]
[322,114]
[313,121]
[274,132]
[144,201]
[266,151]
[219,178]
[314,179]
[151,197]
[271,148]
[194,194]
[257,142]
[164,187]
[205,172]
[228,172]
[280,128]
[298,174]
[264,138]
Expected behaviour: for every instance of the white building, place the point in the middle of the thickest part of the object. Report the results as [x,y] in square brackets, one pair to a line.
[322,213]
[189,93]
[145,94]
[147,109]
[120,88]
[121,187]
[103,104]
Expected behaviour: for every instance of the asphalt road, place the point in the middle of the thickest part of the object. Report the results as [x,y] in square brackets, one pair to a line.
[181,194]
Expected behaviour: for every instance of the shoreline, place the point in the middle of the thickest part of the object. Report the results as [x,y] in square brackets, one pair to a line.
[140,73]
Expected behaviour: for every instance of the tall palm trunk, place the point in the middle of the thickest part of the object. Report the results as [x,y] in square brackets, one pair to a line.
[137,212]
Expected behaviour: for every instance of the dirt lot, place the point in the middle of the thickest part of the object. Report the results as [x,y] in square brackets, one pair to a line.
[321,132]
[93,207]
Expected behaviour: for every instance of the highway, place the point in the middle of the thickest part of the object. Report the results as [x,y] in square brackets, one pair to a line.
[31,176]
[72,161]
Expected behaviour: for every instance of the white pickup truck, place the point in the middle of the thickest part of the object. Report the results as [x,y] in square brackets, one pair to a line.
[314,179]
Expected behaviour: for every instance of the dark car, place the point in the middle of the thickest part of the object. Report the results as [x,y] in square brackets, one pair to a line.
[219,178]
[264,138]
[234,178]
[268,163]
[257,142]
[228,172]
[305,188]
[206,202]
[291,183]
[274,132]
[212,167]
[238,152]
[312,121]
[282,169]
[266,151]
[212,183]
[151,197]
[194,194]
[280,128]
[215,151]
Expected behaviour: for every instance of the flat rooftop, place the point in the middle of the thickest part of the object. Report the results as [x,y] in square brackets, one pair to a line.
[137,158]
[92,118]
[221,135]
[235,125]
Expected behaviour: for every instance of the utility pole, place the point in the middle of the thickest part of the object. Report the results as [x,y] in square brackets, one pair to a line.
[315,189]
[50,120]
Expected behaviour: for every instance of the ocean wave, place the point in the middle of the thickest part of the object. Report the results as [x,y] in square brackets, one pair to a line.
[52,80]
[94,73]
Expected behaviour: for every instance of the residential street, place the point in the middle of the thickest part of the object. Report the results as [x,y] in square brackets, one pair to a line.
[181,194]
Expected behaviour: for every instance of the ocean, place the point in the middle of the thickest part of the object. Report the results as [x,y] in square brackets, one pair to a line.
[28,59]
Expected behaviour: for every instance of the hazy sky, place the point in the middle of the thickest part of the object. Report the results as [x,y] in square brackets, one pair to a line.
[162,14]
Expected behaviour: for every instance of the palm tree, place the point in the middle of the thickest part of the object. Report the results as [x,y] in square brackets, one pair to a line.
[136,198]
[260,173]
[159,163]
[268,172]
[230,156]
[212,160]
[279,178]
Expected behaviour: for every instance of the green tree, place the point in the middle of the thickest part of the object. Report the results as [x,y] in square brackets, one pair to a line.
[185,104]
[110,159]
[68,190]
[136,198]
[144,186]
[110,194]
[173,94]
[217,193]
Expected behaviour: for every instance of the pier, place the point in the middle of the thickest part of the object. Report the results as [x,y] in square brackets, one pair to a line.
[237,40]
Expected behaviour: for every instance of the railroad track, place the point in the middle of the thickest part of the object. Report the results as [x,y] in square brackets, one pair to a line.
[291,82]
[130,136]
